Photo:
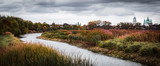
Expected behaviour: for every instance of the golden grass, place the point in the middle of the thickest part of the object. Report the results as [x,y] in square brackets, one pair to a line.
[37,55]
[147,36]
[5,40]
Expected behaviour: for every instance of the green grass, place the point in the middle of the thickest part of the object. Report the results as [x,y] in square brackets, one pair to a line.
[5,40]
[141,48]
[144,52]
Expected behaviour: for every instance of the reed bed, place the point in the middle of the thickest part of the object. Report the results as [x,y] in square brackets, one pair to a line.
[91,36]
[98,35]
[147,36]
[118,32]
[37,55]
[144,43]
[135,45]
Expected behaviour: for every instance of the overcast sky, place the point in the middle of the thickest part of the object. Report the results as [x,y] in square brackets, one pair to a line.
[83,11]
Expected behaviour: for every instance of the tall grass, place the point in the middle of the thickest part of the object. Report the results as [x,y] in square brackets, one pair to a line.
[143,43]
[56,34]
[5,40]
[98,35]
[91,36]
[75,37]
[148,36]
[37,55]
[117,32]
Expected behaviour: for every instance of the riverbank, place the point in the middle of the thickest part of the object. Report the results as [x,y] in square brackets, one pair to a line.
[16,53]
[151,61]
[8,40]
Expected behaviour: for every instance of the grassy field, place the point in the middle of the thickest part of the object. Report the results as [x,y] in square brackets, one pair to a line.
[136,45]
[27,54]
[5,40]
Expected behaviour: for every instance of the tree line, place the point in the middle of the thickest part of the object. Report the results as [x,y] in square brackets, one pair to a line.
[121,25]
[18,26]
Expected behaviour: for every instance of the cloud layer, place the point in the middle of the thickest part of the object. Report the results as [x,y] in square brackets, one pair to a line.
[74,11]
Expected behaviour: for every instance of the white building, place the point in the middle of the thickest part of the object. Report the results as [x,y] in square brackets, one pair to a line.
[147,22]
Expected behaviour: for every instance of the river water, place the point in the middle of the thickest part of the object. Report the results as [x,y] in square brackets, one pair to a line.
[98,59]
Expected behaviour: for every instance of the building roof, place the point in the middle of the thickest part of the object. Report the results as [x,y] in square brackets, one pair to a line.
[147,19]
[134,18]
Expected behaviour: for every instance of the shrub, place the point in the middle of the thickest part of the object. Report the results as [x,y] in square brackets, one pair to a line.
[62,36]
[84,33]
[75,37]
[149,51]
[101,44]
[121,47]
[46,34]
[133,48]
[56,34]
[110,45]
[63,33]
[126,50]
[74,32]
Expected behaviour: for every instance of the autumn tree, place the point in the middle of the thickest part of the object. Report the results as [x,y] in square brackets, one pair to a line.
[137,25]
[45,26]
[66,26]
[19,26]
[53,24]
[98,23]
[125,25]
[14,28]
[1,27]
[92,25]
[106,24]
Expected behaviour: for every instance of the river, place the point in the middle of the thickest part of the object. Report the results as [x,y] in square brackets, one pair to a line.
[98,59]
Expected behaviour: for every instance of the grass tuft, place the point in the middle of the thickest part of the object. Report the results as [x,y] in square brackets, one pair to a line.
[38,55]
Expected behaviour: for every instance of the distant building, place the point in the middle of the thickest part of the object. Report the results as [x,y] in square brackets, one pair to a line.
[134,20]
[78,24]
[147,22]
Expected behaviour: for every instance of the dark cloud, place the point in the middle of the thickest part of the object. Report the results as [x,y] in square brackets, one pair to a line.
[9,8]
[81,7]
[131,1]
[46,4]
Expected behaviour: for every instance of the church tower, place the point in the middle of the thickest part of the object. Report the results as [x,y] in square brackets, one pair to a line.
[144,22]
[147,22]
[134,20]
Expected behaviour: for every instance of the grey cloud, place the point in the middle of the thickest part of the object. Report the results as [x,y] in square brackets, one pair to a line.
[46,4]
[41,10]
[131,1]
[81,6]
[144,7]
[10,8]
[70,4]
